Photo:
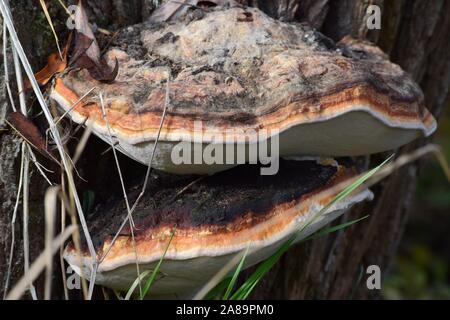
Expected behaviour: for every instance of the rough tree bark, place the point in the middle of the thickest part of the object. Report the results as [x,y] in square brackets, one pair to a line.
[414,34]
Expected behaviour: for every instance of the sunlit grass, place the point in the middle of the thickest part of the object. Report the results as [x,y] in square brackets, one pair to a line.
[250,283]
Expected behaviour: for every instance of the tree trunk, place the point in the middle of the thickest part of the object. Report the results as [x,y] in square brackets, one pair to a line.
[413,33]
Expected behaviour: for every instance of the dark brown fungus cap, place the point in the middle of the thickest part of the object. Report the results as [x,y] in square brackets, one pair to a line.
[216,217]
[249,75]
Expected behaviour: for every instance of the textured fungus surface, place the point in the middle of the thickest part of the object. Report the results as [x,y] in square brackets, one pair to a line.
[217,201]
[256,73]
[215,217]
[249,75]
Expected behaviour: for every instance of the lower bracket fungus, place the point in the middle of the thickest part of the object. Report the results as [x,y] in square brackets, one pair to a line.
[235,81]
[215,218]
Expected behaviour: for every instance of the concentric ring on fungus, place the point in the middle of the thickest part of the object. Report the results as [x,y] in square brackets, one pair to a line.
[215,218]
[319,98]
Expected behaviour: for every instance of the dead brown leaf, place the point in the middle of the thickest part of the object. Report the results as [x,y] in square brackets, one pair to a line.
[54,65]
[97,68]
[86,53]
[30,133]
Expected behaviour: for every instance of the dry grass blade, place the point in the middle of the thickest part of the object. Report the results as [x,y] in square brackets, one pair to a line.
[24,163]
[26,169]
[68,202]
[30,133]
[136,283]
[25,213]
[39,166]
[187,187]
[50,202]
[49,20]
[220,275]
[64,6]
[4,9]
[83,141]
[413,156]
[13,222]
[19,79]
[61,248]
[149,168]
[74,105]
[119,170]
[147,175]
[5,67]
[362,181]
[39,264]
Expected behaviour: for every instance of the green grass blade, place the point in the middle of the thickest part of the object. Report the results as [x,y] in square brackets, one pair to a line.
[329,230]
[321,233]
[235,276]
[218,291]
[152,277]
[243,292]
[344,193]
[247,287]
[135,284]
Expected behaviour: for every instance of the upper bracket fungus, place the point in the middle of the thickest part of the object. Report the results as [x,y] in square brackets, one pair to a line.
[240,73]
[215,219]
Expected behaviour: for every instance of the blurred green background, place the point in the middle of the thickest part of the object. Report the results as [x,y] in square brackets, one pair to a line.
[421,269]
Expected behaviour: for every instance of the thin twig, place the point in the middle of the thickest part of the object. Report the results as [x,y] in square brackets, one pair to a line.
[39,166]
[64,6]
[220,275]
[49,20]
[410,157]
[28,141]
[13,223]
[74,105]
[17,45]
[147,175]
[105,117]
[166,105]
[5,65]
[187,187]
[39,264]
[26,169]
[383,172]
[83,141]
[76,235]
[50,201]
[25,213]
[130,216]
[61,248]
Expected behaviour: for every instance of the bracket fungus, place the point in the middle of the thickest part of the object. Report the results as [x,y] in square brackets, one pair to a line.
[215,218]
[243,77]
